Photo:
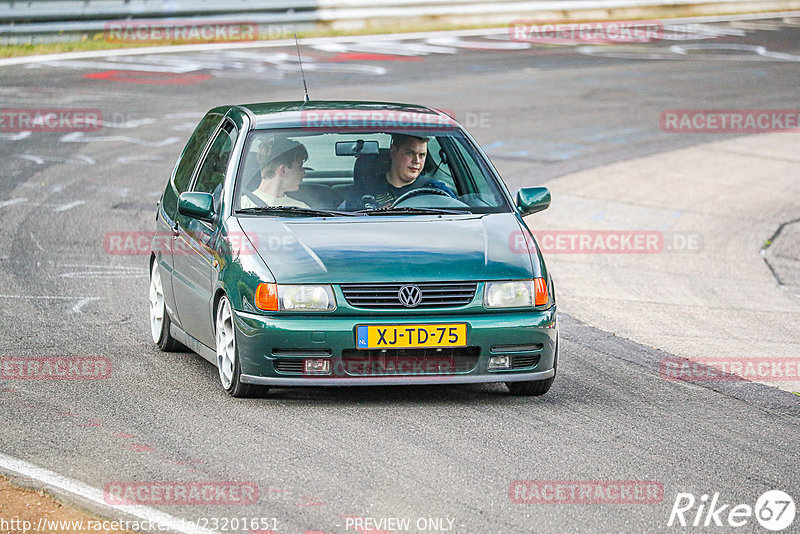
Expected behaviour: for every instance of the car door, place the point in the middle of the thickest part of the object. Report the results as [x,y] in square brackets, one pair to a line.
[168,210]
[194,253]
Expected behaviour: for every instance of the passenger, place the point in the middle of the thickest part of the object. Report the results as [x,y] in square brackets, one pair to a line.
[281,161]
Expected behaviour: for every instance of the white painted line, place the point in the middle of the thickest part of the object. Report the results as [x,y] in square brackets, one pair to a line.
[26,60]
[156,518]
[69,206]
[46,297]
[15,136]
[139,159]
[36,159]
[105,272]
[80,137]
[127,124]
[11,202]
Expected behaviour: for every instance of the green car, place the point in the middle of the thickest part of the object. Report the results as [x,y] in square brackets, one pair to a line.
[335,243]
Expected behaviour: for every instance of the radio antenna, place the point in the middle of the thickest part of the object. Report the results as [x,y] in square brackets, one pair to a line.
[305,87]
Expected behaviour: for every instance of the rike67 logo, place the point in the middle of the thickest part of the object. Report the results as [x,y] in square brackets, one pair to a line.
[774,510]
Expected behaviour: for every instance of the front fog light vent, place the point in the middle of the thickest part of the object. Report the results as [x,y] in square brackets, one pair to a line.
[497,363]
[317,366]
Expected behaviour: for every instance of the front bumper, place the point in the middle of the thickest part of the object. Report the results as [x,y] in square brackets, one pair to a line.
[269,345]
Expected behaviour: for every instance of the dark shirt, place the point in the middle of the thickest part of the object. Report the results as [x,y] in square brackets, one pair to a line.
[384,194]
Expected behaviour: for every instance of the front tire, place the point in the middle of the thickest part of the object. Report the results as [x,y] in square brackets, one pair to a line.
[534,388]
[230,373]
[159,318]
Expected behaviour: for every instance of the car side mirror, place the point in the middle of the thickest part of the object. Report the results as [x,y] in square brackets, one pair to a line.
[196,205]
[533,199]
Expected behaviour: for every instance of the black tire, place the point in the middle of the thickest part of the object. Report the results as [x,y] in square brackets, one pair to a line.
[534,388]
[161,336]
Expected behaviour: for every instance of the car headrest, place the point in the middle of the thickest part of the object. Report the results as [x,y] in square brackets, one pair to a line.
[369,165]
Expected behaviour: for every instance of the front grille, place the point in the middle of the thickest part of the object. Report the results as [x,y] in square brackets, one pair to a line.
[410,362]
[434,294]
[519,362]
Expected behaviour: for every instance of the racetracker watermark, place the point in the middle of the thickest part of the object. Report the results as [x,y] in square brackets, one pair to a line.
[605,242]
[48,120]
[370,120]
[55,368]
[586,492]
[139,243]
[730,120]
[623,31]
[730,368]
[394,365]
[180,493]
[181,31]
[471,119]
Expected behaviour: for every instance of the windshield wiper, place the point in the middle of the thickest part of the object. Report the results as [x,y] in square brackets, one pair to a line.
[412,210]
[297,210]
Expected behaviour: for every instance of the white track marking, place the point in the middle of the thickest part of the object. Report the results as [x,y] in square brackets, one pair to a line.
[15,136]
[39,160]
[120,191]
[478,45]
[184,115]
[185,126]
[30,157]
[69,206]
[85,491]
[80,137]
[342,39]
[135,123]
[105,272]
[182,68]
[321,40]
[139,160]
[77,308]
[755,51]
[11,202]
[42,297]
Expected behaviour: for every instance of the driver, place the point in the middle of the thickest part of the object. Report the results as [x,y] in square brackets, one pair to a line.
[407,154]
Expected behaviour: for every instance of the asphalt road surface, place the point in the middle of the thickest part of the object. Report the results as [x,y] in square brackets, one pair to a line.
[327,460]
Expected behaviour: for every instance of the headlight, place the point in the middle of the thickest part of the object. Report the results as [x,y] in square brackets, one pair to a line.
[515,294]
[277,297]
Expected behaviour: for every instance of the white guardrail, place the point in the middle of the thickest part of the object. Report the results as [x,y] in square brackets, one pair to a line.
[69,17]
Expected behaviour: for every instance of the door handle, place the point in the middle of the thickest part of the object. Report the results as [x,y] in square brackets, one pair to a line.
[175,231]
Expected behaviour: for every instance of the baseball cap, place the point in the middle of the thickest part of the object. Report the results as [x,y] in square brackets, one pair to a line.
[274,147]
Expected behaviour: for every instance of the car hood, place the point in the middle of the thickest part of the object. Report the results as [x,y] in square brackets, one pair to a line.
[389,249]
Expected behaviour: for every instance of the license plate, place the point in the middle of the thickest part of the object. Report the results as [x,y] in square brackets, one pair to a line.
[411,336]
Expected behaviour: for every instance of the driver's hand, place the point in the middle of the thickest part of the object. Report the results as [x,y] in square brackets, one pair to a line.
[369,202]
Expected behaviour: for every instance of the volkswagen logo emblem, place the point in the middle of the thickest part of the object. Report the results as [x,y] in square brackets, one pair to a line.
[410,296]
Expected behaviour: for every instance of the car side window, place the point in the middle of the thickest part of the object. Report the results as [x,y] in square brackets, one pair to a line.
[194,148]
[211,177]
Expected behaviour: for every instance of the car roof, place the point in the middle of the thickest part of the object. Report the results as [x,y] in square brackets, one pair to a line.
[342,113]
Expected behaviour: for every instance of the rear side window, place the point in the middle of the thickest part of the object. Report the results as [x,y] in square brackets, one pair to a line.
[211,177]
[193,150]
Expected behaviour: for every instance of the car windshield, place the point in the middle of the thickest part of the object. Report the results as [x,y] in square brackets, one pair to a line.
[368,173]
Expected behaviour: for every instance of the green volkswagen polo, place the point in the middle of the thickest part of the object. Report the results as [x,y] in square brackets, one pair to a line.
[332,243]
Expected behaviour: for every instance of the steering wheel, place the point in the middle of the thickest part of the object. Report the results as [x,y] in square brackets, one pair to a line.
[421,191]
